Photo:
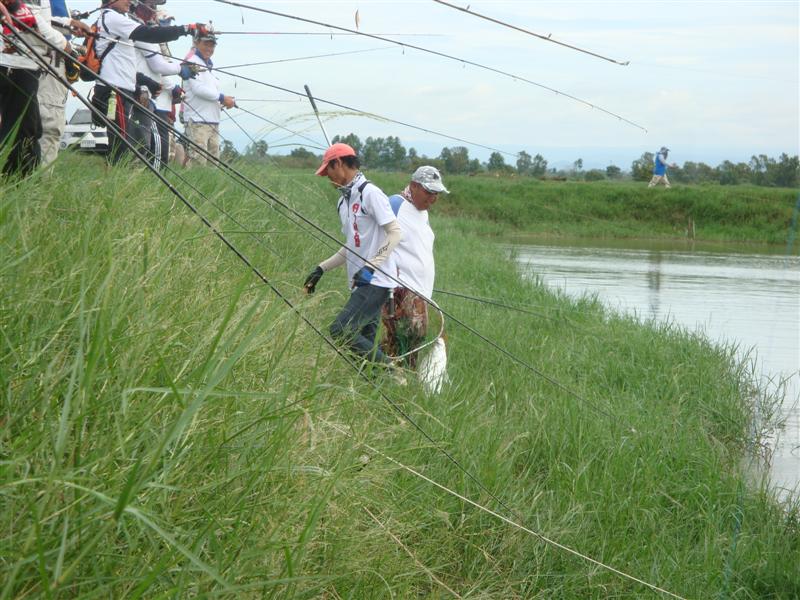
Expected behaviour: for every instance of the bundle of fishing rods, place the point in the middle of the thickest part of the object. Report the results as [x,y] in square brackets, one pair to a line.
[308,226]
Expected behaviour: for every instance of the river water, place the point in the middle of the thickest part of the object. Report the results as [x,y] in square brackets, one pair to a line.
[749,299]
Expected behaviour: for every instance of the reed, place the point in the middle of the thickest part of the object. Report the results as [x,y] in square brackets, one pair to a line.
[171,428]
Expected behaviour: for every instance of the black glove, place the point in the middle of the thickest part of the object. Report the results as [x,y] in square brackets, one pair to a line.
[152,84]
[312,280]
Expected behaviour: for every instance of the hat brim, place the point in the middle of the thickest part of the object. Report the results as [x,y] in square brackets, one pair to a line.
[323,170]
[435,188]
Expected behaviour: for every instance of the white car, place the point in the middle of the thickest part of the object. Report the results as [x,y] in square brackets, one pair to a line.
[81,134]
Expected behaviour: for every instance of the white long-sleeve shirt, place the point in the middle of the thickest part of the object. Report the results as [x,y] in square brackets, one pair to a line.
[202,101]
[151,62]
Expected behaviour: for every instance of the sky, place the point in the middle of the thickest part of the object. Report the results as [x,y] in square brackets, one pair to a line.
[710,80]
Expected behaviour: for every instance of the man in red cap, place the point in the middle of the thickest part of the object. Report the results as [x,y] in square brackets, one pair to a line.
[372,233]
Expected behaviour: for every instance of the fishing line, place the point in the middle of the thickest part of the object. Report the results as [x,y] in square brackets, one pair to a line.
[370,114]
[315,143]
[440,54]
[546,38]
[500,517]
[328,341]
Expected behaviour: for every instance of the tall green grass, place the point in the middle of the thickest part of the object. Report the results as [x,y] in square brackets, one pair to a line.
[171,428]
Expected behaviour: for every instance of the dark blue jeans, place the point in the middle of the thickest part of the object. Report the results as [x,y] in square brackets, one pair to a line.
[357,323]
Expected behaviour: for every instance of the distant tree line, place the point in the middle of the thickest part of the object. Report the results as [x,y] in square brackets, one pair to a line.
[760,170]
[390,154]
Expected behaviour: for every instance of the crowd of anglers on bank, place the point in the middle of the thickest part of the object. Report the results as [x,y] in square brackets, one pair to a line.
[139,89]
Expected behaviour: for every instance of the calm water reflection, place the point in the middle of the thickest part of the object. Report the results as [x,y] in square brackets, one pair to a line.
[752,300]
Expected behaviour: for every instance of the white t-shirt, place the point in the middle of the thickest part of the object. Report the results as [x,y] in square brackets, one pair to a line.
[414,253]
[119,65]
[363,218]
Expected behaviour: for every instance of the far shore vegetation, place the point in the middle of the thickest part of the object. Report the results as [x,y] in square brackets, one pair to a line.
[389,154]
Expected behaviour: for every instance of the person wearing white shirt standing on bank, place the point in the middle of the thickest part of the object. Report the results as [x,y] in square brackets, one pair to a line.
[371,234]
[405,320]
[203,101]
[20,64]
[52,94]
[116,30]
[152,62]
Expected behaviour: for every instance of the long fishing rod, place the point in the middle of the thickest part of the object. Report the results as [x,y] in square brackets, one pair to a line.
[359,111]
[492,302]
[285,60]
[463,61]
[332,33]
[316,112]
[546,38]
[275,290]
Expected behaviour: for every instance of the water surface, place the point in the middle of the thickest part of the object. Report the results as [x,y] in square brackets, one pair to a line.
[752,300]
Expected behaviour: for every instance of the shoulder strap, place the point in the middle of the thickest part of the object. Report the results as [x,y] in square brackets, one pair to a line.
[361,195]
[111,45]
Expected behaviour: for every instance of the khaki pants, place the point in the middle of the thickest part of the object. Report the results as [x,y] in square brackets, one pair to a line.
[204,135]
[658,179]
[52,98]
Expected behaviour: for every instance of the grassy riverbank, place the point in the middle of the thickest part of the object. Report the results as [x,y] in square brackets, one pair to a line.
[171,428]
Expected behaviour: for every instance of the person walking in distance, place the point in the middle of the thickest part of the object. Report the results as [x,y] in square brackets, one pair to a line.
[660,169]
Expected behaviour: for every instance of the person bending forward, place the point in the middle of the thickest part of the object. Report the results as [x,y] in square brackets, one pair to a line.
[372,233]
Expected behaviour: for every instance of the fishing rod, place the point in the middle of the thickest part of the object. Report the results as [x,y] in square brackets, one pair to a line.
[339,352]
[463,61]
[267,100]
[359,111]
[492,302]
[316,112]
[285,60]
[546,38]
[332,33]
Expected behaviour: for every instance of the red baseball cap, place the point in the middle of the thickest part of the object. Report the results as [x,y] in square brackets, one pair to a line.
[338,150]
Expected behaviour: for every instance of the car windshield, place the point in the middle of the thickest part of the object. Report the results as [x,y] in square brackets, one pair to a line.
[81,117]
